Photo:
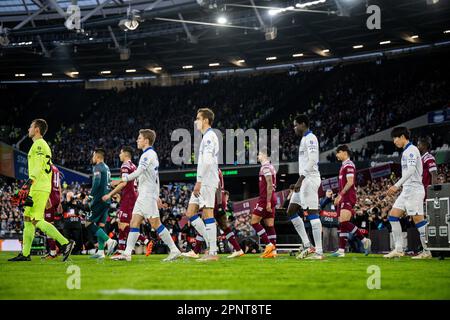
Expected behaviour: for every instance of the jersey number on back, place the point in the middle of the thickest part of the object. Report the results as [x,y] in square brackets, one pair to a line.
[49,163]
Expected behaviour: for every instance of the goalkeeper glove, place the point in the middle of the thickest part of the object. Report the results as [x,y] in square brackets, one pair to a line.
[22,198]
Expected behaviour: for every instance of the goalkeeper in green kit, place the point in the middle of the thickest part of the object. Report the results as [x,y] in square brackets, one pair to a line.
[35,193]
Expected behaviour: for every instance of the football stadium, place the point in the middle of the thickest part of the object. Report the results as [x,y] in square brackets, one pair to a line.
[224,150]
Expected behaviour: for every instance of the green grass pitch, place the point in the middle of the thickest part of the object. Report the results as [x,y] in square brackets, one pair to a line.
[248,277]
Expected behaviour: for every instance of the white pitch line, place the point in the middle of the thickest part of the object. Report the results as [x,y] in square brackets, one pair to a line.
[136,292]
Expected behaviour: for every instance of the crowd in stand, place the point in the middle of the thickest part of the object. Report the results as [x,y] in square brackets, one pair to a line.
[11,219]
[344,102]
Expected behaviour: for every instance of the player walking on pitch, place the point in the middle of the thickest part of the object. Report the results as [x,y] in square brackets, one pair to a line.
[306,190]
[38,187]
[128,198]
[148,202]
[222,221]
[346,201]
[265,208]
[204,193]
[96,218]
[410,200]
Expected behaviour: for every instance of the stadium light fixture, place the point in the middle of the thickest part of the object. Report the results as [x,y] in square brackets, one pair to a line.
[415,37]
[222,20]
[385,42]
[105,72]
[74,73]
[447,31]
[47,74]
[241,61]
[274,12]
[215,64]
[90,39]
[157,68]
[309,4]
[19,75]
[297,55]
[326,51]
[271,58]
[358,46]
[188,67]
[130,70]
[131,22]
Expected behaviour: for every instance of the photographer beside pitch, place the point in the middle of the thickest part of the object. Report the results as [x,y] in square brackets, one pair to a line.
[38,188]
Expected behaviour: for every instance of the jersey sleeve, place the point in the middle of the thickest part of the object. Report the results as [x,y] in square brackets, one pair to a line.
[266,171]
[38,161]
[431,164]
[124,171]
[211,144]
[96,179]
[312,148]
[412,157]
[350,171]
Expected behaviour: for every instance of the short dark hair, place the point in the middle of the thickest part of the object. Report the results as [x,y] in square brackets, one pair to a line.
[302,118]
[397,132]
[148,134]
[42,125]
[426,141]
[226,193]
[345,148]
[100,151]
[207,113]
[128,150]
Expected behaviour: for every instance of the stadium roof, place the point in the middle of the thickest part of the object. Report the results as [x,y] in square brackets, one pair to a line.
[38,42]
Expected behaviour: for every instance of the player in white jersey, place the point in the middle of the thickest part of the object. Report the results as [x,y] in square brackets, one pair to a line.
[410,200]
[306,192]
[148,202]
[204,193]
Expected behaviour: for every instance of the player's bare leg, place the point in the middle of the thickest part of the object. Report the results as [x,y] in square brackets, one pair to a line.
[421,225]
[394,216]
[224,225]
[211,235]
[299,226]
[166,238]
[347,227]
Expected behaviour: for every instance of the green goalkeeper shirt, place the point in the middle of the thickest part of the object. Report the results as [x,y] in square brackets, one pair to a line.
[39,166]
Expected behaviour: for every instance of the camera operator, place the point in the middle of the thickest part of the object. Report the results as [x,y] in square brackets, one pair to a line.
[74,207]
[330,222]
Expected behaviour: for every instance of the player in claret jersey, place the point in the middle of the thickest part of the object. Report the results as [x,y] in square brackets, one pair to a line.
[53,204]
[265,208]
[346,201]
[429,176]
